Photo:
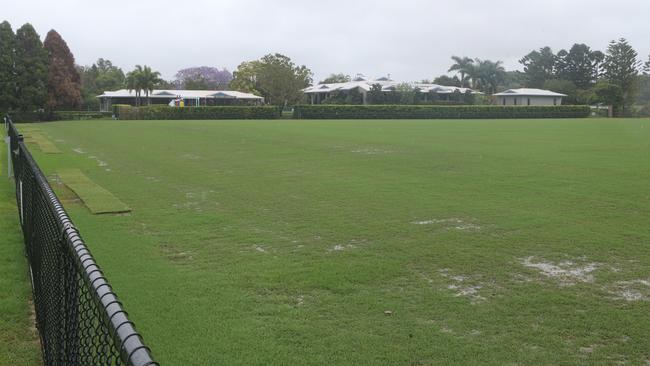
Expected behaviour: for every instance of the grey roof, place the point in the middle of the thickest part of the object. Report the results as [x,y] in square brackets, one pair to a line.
[529,92]
[386,85]
[188,94]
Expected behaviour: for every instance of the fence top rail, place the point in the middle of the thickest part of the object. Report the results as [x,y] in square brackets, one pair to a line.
[132,349]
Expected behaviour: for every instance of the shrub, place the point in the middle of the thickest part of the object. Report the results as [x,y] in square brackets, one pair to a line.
[26,117]
[116,109]
[79,115]
[436,112]
[187,113]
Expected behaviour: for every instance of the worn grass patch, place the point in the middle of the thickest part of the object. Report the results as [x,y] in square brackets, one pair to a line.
[43,143]
[97,199]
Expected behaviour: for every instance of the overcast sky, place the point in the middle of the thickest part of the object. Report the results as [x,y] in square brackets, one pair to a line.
[409,39]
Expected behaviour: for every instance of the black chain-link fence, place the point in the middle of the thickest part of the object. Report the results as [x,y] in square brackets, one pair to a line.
[79,318]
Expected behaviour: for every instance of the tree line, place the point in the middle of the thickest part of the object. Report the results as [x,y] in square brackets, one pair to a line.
[35,74]
[44,76]
[615,77]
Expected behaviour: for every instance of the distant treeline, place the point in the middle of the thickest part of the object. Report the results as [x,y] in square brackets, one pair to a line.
[42,76]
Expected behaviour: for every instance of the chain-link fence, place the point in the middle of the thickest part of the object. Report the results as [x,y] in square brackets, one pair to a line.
[79,318]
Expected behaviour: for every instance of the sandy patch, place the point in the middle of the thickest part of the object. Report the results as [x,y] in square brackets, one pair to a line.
[567,273]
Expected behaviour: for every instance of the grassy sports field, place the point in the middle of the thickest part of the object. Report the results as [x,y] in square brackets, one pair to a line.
[371,242]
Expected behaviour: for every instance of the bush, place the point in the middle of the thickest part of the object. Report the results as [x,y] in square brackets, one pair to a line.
[220,112]
[27,117]
[116,109]
[436,112]
[41,116]
[79,115]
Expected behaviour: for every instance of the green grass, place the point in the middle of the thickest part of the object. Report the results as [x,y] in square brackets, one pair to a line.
[284,242]
[34,136]
[19,343]
[97,199]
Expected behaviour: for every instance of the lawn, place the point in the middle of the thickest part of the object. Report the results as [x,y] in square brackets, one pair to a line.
[371,242]
[19,343]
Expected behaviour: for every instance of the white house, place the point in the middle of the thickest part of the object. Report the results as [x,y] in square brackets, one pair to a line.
[527,96]
[320,92]
[190,97]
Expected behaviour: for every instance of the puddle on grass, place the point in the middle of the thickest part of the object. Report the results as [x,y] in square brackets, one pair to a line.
[451,224]
[633,290]
[464,286]
[190,156]
[352,244]
[370,151]
[567,273]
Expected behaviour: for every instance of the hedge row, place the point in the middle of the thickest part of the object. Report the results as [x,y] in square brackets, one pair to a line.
[41,116]
[436,112]
[80,115]
[219,112]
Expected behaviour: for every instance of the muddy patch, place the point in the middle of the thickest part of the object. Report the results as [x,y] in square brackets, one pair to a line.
[451,224]
[566,273]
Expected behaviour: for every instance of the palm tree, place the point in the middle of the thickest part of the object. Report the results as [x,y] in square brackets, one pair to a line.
[148,81]
[133,82]
[488,75]
[142,78]
[464,66]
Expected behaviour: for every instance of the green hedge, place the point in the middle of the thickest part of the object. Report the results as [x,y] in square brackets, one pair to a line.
[220,112]
[41,116]
[436,112]
[26,117]
[80,115]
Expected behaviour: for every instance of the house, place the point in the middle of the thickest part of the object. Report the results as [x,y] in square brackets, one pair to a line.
[190,98]
[321,92]
[526,96]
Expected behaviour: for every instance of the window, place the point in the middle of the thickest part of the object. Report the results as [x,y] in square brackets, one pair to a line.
[528,101]
[515,101]
[504,100]
[554,101]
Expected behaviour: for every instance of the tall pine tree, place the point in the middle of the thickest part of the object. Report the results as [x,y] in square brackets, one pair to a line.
[7,68]
[621,68]
[31,69]
[63,80]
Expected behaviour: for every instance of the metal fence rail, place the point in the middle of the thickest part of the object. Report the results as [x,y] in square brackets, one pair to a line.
[79,318]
